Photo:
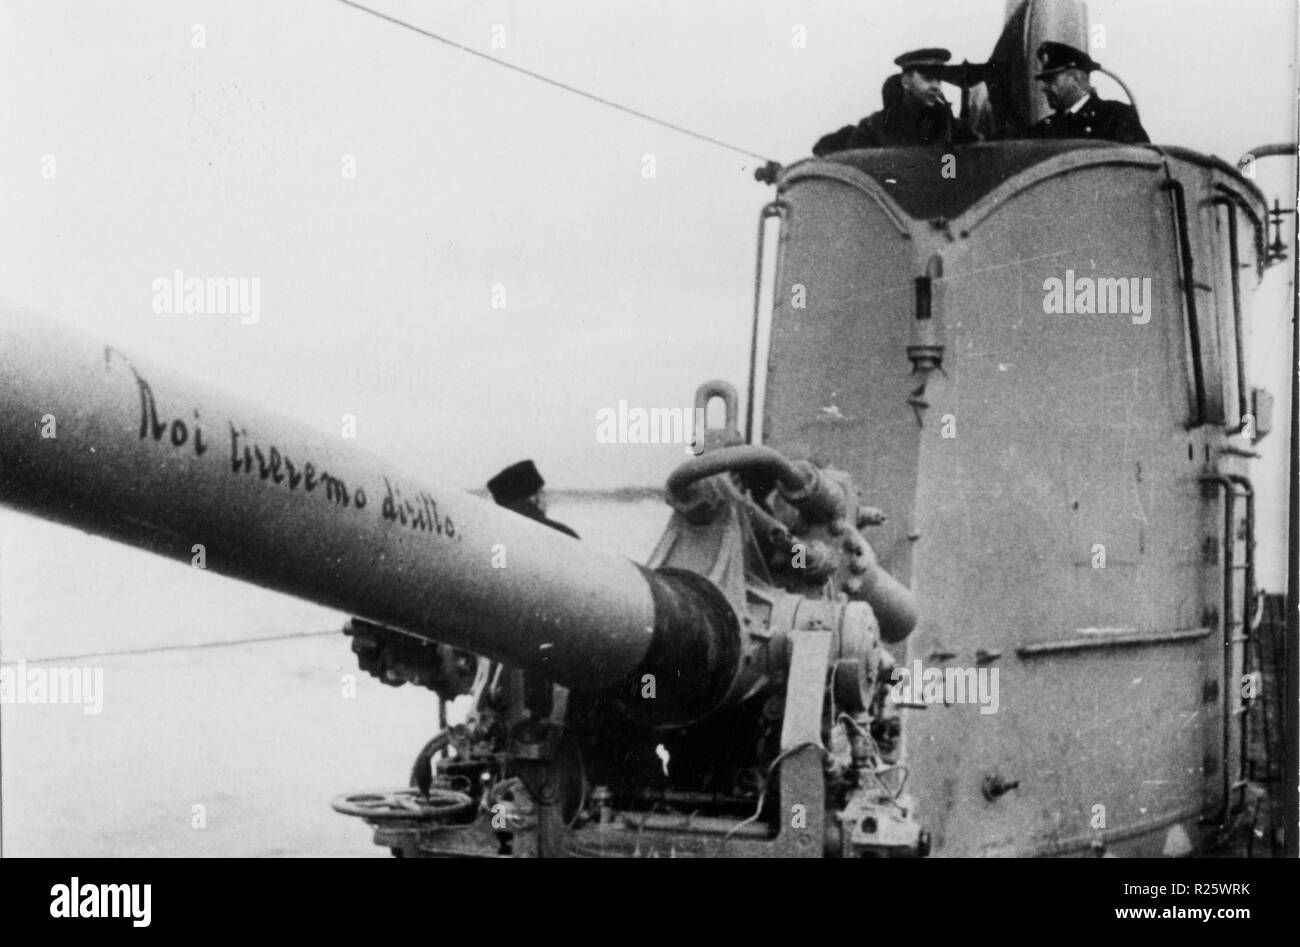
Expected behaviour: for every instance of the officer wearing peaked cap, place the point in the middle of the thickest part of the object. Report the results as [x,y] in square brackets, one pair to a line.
[519,488]
[932,57]
[1077,110]
[915,111]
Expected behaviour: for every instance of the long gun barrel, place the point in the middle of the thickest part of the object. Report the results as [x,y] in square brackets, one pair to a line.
[111,444]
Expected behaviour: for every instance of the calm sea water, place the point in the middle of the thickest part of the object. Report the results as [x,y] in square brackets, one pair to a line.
[257,734]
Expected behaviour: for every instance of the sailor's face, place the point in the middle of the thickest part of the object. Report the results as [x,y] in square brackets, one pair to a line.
[1051,86]
[1061,88]
[922,88]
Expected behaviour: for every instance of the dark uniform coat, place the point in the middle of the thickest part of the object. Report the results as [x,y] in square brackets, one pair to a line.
[897,127]
[513,487]
[1098,118]
[560,527]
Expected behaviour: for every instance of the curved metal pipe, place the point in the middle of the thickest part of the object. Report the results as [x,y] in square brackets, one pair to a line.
[754,457]
[893,603]
[1280,149]
[818,498]
[1127,91]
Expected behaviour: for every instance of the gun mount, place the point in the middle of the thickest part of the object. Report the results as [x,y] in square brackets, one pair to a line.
[728,698]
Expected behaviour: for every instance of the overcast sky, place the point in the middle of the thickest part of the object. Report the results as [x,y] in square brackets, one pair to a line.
[376,290]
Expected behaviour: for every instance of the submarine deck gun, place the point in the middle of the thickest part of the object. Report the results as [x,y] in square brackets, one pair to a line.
[727,698]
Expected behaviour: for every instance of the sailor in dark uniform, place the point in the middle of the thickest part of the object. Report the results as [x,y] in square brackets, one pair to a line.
[915,112]
[519,488]
[1078,111]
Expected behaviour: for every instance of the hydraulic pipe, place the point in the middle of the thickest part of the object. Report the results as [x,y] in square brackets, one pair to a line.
[737,457]
[113,445]
[817,497]
[1286,148]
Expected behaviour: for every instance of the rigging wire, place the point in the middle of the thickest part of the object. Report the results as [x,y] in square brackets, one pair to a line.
[234,642]
[555,82]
